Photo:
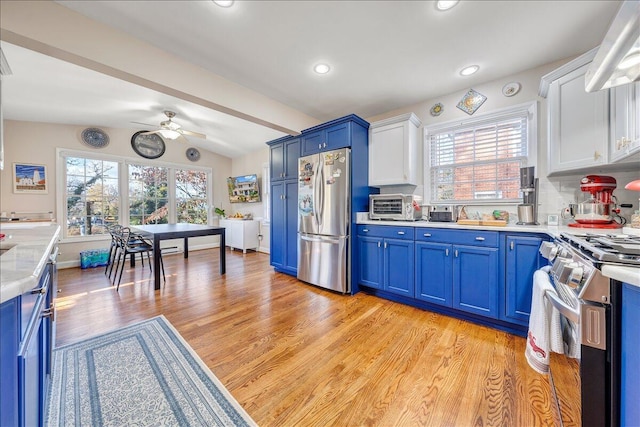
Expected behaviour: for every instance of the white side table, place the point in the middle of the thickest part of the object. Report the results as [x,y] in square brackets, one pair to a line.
[241,234]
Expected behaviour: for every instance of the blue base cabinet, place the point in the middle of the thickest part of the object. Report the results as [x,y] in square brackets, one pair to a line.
[386,258]
[480,275]
[475,280]
[630,363]
[434,273]
[26,346]
[522,260]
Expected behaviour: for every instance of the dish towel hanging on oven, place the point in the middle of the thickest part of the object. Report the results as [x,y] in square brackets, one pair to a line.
[545,327]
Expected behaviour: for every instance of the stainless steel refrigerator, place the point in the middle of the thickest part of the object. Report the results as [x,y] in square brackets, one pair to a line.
[323,219]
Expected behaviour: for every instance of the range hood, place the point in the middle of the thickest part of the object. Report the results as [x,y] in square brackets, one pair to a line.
[617,61]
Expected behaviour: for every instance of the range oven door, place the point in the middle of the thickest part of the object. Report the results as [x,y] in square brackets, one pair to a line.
[564,371]
[585,387]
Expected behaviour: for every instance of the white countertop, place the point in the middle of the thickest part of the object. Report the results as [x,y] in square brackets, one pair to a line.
[552,231]
[30,245]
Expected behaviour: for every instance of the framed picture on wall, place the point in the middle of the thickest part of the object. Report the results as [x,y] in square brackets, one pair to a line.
[30,178]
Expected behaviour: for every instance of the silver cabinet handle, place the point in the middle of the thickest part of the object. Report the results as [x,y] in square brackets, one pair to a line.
[401,233]
[480,239]
[366,230]
[378,244]
[512,245]
[427,234]
[385,245]
[446,252]
[456,253]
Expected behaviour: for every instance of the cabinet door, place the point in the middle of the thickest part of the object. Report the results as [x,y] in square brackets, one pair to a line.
[276,161]
[278,225]
[630,363]
[371,261]
[578,124]
[625,121]
[30,370]
[312,143]
[434,273]
[475,280]
[331,138]
[291,155]
[398,267]
[291,226]
[9,340]
[522,261]
[337,136]
[393,155]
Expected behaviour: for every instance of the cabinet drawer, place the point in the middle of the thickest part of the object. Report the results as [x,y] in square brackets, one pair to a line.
[385,231]
[457,237]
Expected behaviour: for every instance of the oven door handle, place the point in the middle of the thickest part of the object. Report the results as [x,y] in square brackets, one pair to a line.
[563,308]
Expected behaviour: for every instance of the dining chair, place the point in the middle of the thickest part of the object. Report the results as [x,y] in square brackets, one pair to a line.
[130,244]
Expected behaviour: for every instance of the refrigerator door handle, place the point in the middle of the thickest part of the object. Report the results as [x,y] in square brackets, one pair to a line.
[319,239]
[318,192]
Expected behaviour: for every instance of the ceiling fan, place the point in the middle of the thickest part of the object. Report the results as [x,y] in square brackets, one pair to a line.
[172,130]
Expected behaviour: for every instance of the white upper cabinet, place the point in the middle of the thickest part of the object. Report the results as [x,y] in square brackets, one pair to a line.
[624,121]
[395,152]
[578,134]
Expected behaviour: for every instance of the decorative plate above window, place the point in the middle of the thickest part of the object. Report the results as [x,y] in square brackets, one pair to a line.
[94,137]
[193,154]
[149,146]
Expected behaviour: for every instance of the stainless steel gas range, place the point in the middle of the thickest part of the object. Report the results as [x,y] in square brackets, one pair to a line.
[591,305]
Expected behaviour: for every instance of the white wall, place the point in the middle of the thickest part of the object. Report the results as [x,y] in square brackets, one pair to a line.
[555,192]
[252,164]
[29,142]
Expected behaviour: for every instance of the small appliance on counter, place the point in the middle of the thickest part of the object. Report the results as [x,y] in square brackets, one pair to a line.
[443,213]
[395,207]
[599,210]
[528,209]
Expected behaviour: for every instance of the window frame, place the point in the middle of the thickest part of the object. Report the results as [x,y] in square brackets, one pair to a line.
[529,109]
[123,186]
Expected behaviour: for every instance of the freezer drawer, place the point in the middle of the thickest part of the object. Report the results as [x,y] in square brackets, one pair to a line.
[322,261]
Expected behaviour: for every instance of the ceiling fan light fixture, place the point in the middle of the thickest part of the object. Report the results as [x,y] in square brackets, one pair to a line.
[169,133]
[471,69]
[224,3]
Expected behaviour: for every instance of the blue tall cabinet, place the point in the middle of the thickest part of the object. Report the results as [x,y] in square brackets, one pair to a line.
[349,131]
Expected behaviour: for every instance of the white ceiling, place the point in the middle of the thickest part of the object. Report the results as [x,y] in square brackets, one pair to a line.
[384,55]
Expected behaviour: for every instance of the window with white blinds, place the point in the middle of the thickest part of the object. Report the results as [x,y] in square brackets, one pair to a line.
[479,161]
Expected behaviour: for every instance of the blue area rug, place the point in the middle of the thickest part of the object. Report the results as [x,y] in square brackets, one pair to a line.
[142,375]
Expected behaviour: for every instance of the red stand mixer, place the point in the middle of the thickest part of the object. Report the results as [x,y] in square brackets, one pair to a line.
[600,210]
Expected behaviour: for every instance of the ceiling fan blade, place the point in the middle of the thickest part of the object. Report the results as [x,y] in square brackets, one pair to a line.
[194,134]
[151,132]
[145,124]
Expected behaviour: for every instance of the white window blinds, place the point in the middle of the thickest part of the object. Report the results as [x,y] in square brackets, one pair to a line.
[480,161]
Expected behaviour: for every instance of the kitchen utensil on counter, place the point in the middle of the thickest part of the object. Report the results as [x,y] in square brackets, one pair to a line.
[599,210]
[528,210]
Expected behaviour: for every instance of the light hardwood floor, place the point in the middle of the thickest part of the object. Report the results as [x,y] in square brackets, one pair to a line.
[296,355]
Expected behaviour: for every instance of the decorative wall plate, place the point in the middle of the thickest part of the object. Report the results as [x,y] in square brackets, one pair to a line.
[471,101]
[94,137]
[193,154]
[437,109]
[149,146]
[511,89]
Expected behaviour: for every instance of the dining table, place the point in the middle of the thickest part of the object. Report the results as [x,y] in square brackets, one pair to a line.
[158,232]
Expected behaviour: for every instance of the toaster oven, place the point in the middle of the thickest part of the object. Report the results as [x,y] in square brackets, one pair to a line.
[443,213]
[395,207]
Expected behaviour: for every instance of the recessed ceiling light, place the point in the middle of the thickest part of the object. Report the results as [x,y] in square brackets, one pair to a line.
[446,4]
[321,68]
[471,69]
[224,3]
